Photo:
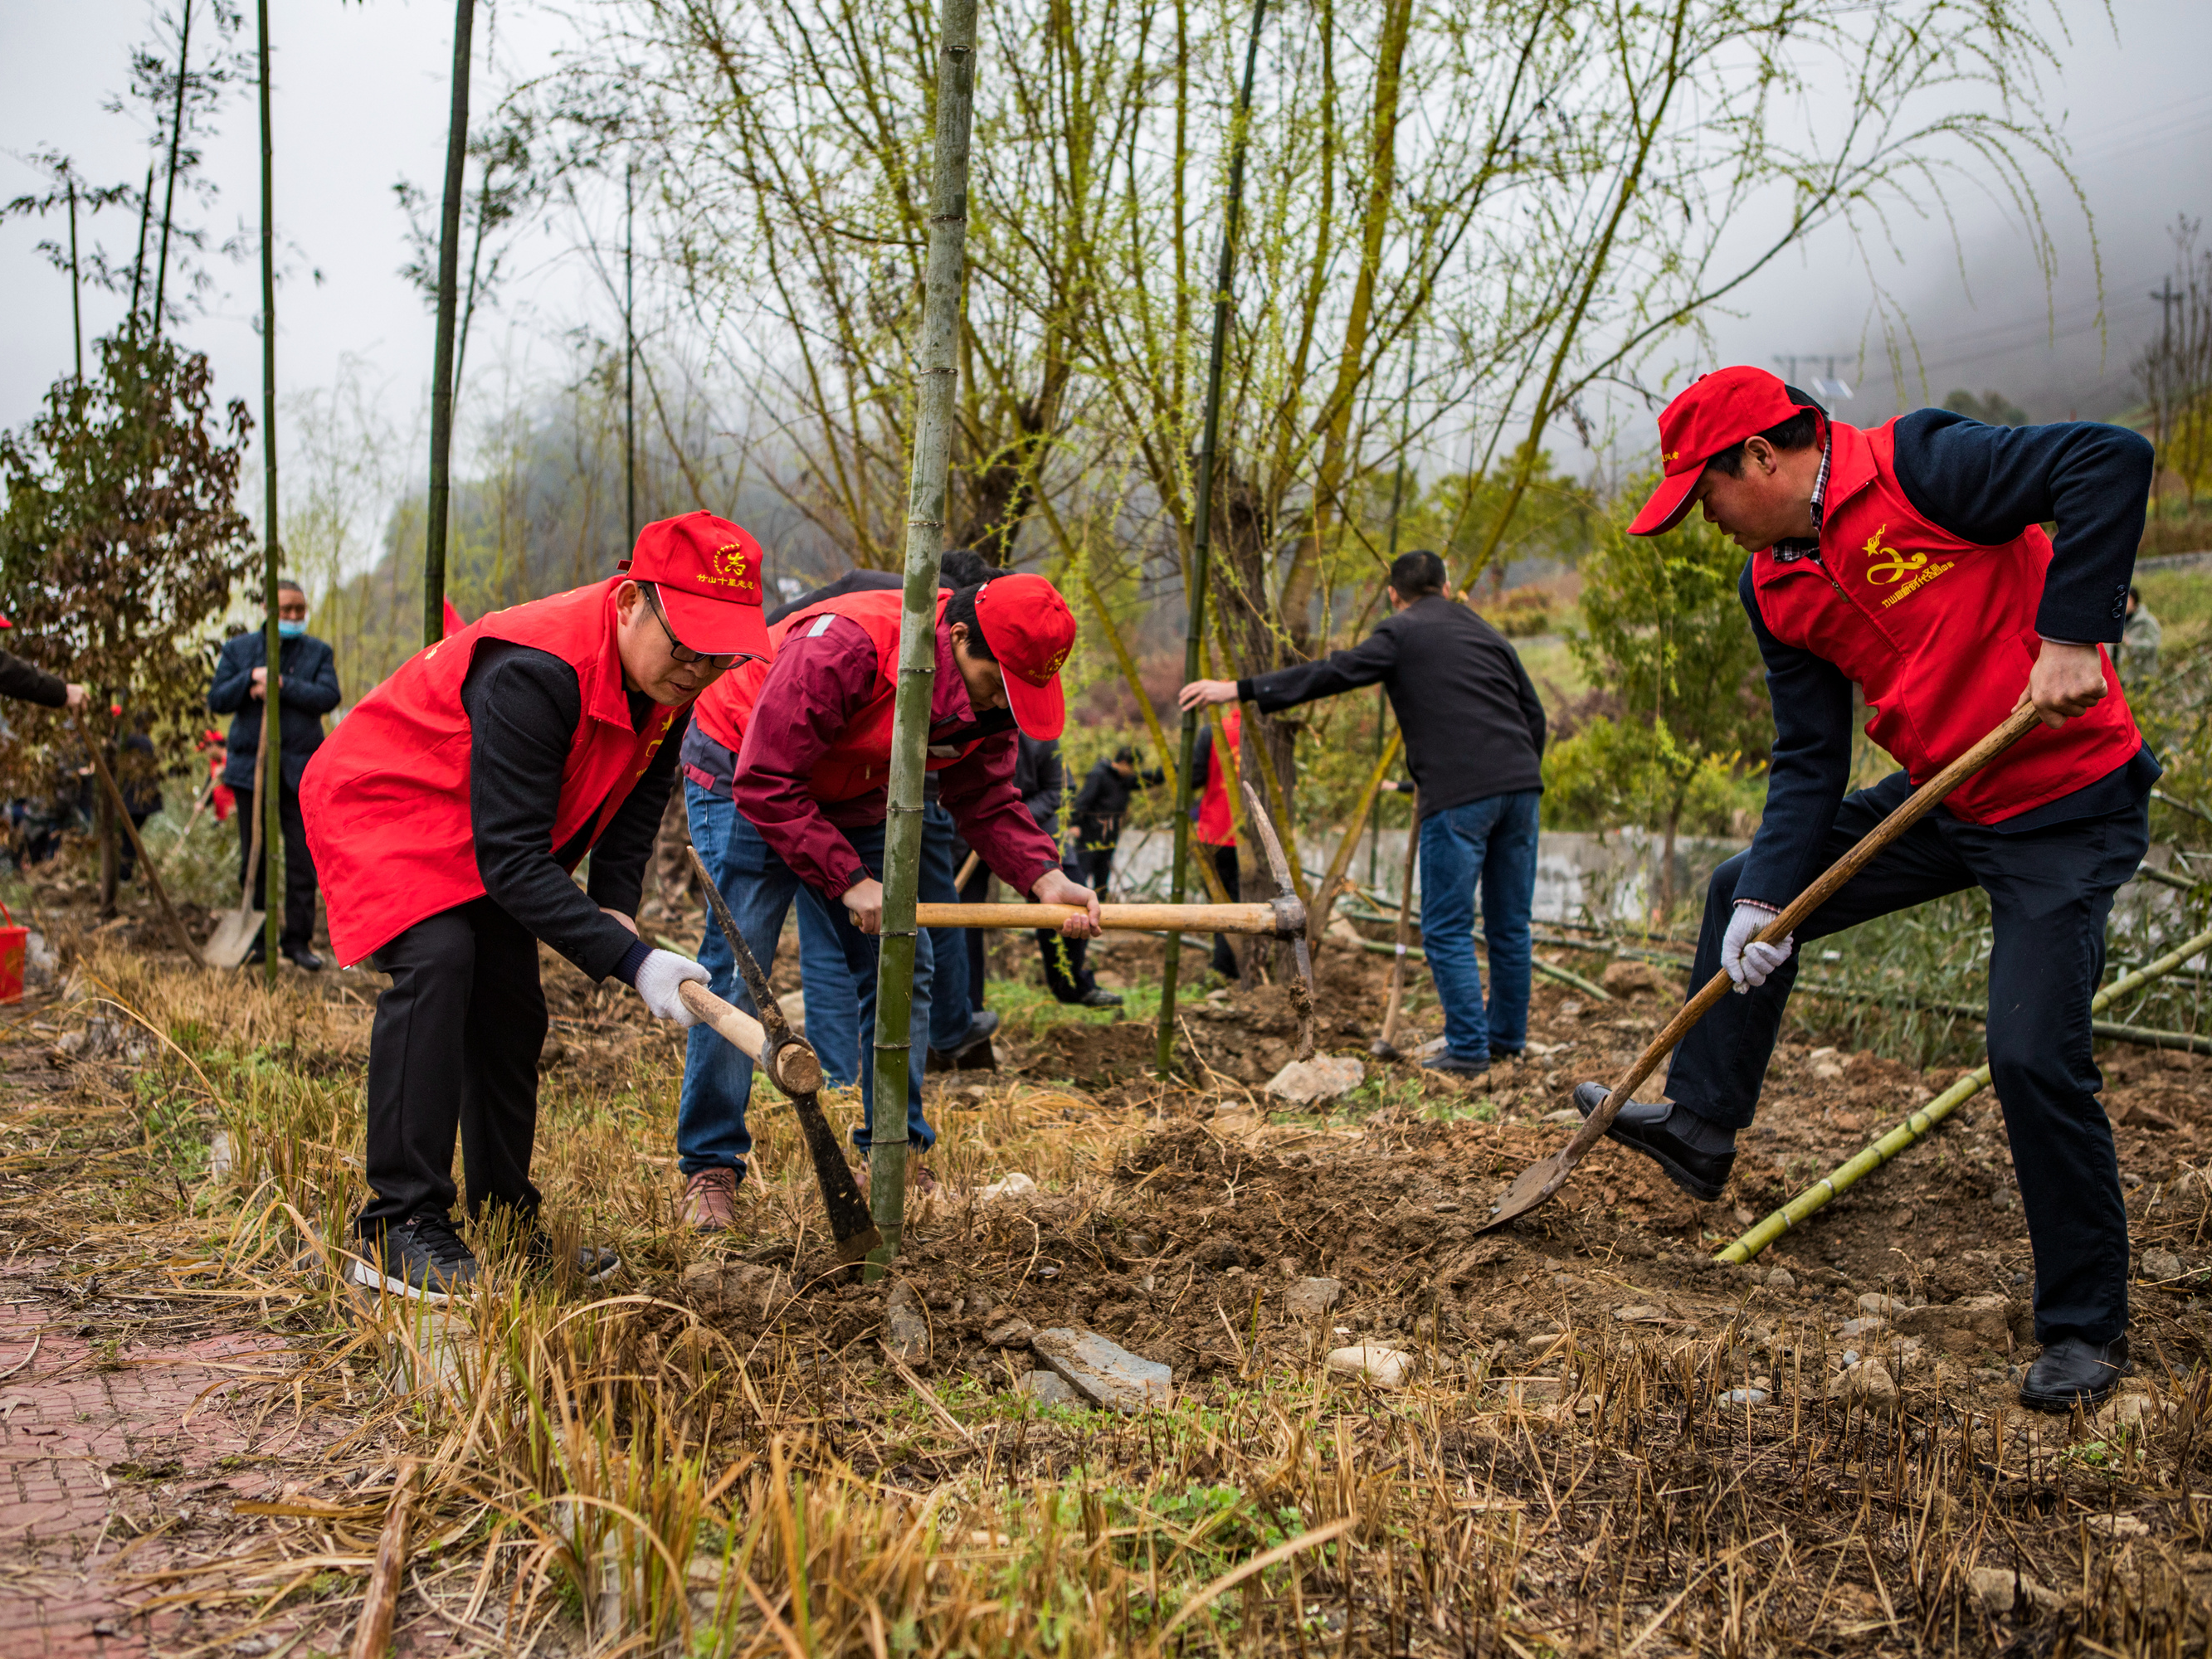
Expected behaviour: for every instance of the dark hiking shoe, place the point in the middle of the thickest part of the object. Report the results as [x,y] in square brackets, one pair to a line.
[973,1051]
[303,958]
[2072,1372]
[1099,997]
[592,1262]
[1696,1156]
[1452,1067]
[422,1257]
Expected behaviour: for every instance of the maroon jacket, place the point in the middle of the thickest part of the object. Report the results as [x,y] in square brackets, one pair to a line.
[821,681]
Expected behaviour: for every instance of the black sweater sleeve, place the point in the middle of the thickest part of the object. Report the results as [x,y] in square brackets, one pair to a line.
[1811,768]
[1988,483]
[618,877]
[27,682]
[1363,663]
[523,706]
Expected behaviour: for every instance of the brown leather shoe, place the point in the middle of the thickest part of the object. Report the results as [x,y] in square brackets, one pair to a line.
[710,1200]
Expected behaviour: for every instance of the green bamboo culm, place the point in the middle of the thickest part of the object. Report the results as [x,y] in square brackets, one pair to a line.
[441,352]
[1916,1127]
[927,492]
[272,786]
[1201,546]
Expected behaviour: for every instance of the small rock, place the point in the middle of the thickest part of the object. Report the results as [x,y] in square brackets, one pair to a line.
[1568,1010]
[1997,1588]
[2161,1265]
[1640,1314]
[1046,1388]
[728,1281]
[1626,978]
[1781,1280]
[1103,1373]
[1826,1067]
[1881,1306]
[1386,1367]
[1310,1298]
[2118,1526]
[1013,1334]
[1867,1326]
[1313,1082]
[906,1327]
[1565,1115]
[1869,1381]
[1745,1397]
[221,1159]
[1010,1185]
[1851,1358]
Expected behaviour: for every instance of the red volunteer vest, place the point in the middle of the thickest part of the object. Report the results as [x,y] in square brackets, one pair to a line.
[1217,820]
[387,798]
[859,762]
[1939,634]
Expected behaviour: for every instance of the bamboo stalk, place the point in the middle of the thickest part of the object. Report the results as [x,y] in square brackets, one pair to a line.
[926,493]
[1916,1125]
[2144,1036]
[1565,976]
[1202,524]
[176,149]
[1257,917]
[373,1635]
[441,355]
[271,801]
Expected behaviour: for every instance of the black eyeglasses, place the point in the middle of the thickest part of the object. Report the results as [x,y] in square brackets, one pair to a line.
[683,652]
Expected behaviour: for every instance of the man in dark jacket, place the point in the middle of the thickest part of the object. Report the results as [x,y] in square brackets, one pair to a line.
[1101,807]
[1474,743]
[308,679]
[1042,777]
[1909,559]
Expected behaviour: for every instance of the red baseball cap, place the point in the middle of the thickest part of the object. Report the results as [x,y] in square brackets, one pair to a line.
[1717,412]
[1030,631]
[707,573]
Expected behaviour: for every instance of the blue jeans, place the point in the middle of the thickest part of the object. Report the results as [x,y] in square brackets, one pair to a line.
[718,1080]
[1493,842]
[833,1007]
[950,1016]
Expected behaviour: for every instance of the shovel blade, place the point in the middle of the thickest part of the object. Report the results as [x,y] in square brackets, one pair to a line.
[234,937]
[1530,1188]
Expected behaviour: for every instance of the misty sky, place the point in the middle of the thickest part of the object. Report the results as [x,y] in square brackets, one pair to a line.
[361,93]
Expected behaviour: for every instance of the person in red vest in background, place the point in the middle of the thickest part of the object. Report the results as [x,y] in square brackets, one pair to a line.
[446,813]
[1909,559]
[1215,831]
[804,746]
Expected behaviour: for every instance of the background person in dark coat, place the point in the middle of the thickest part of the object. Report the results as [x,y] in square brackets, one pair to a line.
[1101,807]
[1042,777]
[307,677]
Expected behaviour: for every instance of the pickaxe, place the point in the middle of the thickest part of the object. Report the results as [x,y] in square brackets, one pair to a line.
[793,1065]
[1282,917]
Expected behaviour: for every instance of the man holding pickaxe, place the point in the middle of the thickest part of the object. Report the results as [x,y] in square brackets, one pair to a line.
[806,745]
[1908,560]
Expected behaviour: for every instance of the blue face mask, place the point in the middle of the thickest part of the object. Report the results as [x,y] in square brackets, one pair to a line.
[289,630]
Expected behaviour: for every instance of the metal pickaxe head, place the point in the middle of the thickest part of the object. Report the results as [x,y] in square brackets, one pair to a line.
[1289,920]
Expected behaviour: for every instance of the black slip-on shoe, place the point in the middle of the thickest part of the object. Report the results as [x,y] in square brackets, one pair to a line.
[303,958]
[1099,997]
[422,1257]
[1643,1127]
[2072,1372]
[1452,1067]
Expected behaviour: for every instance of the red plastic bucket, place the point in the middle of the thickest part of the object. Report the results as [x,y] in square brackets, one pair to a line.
[14,941]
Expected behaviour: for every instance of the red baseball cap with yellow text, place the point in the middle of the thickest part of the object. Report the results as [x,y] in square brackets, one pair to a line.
[707,573]
[1715,412]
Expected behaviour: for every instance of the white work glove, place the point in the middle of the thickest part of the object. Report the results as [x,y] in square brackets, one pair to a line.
[657,977]
[1742,958]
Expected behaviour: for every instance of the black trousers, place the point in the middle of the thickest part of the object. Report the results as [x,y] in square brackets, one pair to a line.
[299,931]
[1094,868]
[1225,861]
[2051,890]
[1066,973]
[454,1045]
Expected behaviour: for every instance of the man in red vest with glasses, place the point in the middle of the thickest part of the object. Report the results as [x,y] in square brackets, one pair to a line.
[1908,560]
[787,771]
[446,813]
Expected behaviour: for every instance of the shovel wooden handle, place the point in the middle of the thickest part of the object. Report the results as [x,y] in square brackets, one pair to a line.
[1116,918]
[794,1067]
[1922,800]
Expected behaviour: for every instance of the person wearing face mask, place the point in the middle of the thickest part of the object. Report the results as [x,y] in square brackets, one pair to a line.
[1909,560]
[807,744]
[308,684]
[448,812]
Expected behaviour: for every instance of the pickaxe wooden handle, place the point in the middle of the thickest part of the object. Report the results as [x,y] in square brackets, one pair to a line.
[1282,918]
[793,1067]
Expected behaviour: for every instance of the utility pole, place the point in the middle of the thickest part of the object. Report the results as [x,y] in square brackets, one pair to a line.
[629,350]
[441,361]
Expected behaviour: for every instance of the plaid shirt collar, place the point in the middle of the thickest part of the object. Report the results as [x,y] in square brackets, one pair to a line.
[1801,547]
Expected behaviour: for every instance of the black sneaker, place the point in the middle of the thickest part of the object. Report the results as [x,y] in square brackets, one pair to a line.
[2072,1372]
[1646,1126]
[303,958]
[1452,1067]
[421,1257]
[1099,997]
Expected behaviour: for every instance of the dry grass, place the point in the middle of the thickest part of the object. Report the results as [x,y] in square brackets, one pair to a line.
[652,1467]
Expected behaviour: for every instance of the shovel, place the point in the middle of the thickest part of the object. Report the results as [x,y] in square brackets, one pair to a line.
[234,934]
[1539,1180]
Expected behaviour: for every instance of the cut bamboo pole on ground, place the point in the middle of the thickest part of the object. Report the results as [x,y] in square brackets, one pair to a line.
[1537,964]
[1918,1125]
[2112,1031]
[1274,921]
[926,491]
[373,1635]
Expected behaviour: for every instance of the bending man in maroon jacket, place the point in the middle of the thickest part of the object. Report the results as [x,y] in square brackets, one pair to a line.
[1908,559]
[807,746]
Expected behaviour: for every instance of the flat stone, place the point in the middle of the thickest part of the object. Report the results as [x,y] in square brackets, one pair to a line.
[1387,1368]
[728,1281]
[906,1327]
[1869,1381]
[1626,979]
[1012,1334]
[1781,1280]
[1963,1327]
[2161,1265]
[1310,1298]
[1881,1306]
[1565,1115]
[1640,1314]
[1046,1388]
[1996,1589]
[2118,1526]
[1103,1373]
[1008,1186]
[1312,1082]
[1745,1397]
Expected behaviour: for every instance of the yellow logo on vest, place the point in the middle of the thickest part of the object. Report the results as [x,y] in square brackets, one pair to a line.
[1887,564]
